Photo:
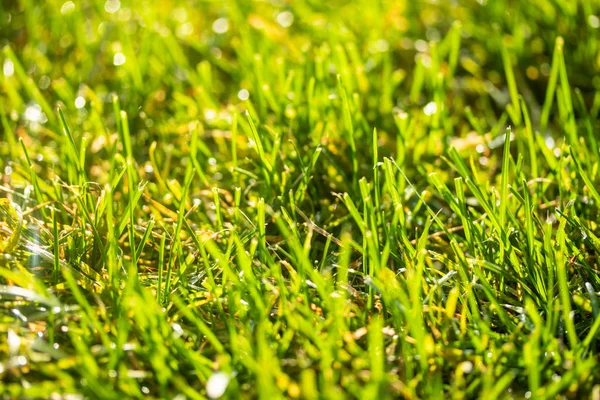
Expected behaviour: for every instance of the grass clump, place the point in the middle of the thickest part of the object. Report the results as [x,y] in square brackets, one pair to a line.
[299,199]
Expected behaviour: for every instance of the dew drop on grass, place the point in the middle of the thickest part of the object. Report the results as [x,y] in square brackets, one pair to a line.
[8,68]
[44,82]
[556,152]
[177,330]
[33,113]
[421,46]
[311,284]
[79,102]
[400,113]
[430,108]
[210,115]
[285,19]
[243,94]
[217,384]
[220,25]
[467,367]
[119,59]
[13,341]
[67,7]
[112,6]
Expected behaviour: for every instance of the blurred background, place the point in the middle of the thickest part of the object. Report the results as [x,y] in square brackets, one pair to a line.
[202,53]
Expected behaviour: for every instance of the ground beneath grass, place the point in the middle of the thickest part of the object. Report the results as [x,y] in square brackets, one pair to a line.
[303,199]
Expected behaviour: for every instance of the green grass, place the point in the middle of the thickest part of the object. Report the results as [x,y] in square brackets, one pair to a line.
[305,199]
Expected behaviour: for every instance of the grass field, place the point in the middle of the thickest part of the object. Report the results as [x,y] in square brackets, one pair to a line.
[260,199]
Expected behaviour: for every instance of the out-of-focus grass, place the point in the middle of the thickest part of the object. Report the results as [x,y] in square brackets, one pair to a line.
[299,199]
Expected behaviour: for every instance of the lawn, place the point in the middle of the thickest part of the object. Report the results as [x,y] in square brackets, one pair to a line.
[366,199]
